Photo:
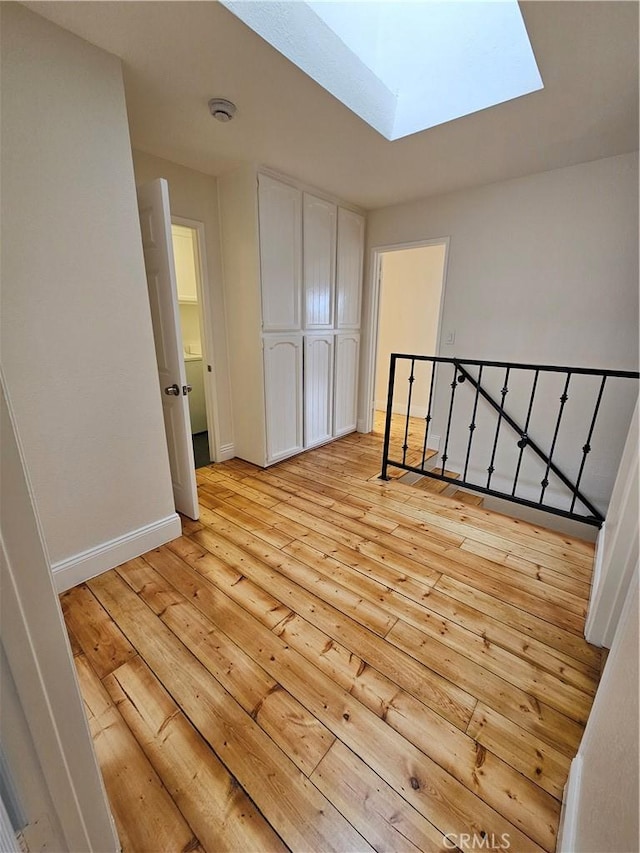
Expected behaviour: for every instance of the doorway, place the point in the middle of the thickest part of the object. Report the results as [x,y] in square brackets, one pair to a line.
[188,249]
[407,303]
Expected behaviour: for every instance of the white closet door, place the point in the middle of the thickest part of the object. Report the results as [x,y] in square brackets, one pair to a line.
[319,261]
[280,214]
[318,389]
[349,269]
[345,409]
[283,395]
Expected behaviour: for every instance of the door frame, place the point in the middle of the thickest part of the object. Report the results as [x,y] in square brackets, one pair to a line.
[40,662]
[370,352]
[203,288]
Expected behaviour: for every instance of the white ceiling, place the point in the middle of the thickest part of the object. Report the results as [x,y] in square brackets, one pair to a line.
[177,55]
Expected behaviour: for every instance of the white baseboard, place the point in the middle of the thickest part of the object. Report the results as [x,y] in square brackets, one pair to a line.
[569,813]
[86,565]
[414,411]
[227,451]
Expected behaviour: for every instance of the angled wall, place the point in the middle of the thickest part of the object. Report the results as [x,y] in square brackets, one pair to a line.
[77,347]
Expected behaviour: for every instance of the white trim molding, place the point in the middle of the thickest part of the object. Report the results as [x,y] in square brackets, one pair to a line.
[569,814]
[86,565]
[371,318]
[617,551]
[226,451]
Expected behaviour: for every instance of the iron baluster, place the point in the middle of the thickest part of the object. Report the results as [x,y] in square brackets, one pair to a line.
[530,442]
[387,423]
[524,436]
[504,392]
[405,445]
[454,385]
[587,445]
[428,417]
[472,425]
[563,399]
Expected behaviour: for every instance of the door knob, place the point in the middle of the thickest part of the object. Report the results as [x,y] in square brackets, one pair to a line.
[187,389]
[172,390]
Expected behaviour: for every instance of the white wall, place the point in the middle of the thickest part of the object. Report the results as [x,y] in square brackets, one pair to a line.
[540,269]
[77,346]
[601,808]
[194,195]
[410,291]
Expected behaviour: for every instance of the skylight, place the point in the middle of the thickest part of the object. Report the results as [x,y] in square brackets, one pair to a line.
[402,66]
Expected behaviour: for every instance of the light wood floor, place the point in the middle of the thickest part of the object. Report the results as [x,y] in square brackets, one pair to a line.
[327,662]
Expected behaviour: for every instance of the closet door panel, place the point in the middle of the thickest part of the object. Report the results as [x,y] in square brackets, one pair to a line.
[280,220]
[283,395]
[319,262]
[345,406]
[318,389]
[349,269]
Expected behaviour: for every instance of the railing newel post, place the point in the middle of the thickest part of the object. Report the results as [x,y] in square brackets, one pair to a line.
[387,426]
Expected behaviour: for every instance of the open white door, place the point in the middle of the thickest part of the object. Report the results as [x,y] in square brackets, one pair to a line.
[155,224]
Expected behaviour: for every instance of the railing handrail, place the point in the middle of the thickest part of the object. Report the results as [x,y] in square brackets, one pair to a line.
[460,374]
[514,365]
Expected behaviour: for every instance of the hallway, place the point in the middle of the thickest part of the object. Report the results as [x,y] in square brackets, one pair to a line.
[329,662]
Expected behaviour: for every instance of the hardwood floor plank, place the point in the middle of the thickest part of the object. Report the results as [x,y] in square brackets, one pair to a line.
[241,487]
[469,498]
[440,740]
[494,781]
[426,591]
[289,725]
[424,610]
[558,640]
[414,585]
[76,648]
[212,510]
[435,691]
[520,748]
[569,700]
[529,541]
[533,535]
[189,525]
[476,574]
[537,550]
[525,710]
[368,614]
[97,635]
[441,799]
[219,811]
[560,580]
[521,639]
[412,544]
[301,816]
[428,484]
[281,489]
[374,808]
[146,817]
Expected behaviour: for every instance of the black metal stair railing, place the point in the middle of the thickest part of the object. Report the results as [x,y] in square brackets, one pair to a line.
[473,372]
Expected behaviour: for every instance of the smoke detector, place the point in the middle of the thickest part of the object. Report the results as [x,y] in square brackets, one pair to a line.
[222,109]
